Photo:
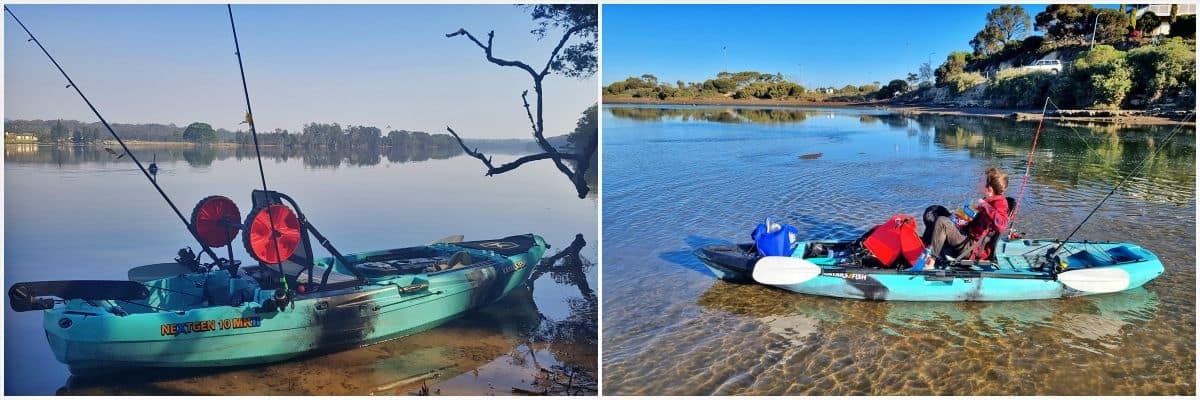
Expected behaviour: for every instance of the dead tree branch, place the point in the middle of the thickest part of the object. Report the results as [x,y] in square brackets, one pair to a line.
[581,161]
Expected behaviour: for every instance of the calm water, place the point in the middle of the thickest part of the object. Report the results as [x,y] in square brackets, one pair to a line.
[680,178]
[75,213]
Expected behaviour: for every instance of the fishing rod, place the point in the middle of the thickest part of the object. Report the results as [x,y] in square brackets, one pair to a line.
[1028,166]
[262,175]
[71,84]
[1135,171]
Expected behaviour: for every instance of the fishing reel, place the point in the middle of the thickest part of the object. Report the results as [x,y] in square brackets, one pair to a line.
[187,258]
[1052,262]
[277,302]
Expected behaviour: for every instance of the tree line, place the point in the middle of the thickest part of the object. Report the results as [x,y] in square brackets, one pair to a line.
[737,85]
[330,135]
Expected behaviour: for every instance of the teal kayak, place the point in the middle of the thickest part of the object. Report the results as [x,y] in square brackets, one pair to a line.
[1018,271]
[228,315]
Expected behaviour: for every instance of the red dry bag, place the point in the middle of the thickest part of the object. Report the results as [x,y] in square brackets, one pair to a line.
[895,238]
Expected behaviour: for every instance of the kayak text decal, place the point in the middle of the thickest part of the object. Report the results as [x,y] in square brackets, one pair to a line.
[855,276]
[210,325]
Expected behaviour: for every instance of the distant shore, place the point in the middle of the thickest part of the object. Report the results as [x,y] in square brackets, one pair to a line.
[708,101]
[1128,117]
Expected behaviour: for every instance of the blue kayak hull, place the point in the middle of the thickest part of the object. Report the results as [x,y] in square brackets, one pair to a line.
[92,339]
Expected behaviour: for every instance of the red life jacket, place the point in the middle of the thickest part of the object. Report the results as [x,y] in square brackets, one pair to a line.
[895,238]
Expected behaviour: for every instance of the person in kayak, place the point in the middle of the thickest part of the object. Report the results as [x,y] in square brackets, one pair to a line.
[991,215]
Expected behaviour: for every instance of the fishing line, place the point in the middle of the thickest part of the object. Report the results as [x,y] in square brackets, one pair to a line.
[250,120]
[1028,166]
[71,84]
[1127,177]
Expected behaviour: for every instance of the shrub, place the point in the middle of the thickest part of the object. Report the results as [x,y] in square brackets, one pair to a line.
[1169,67]
[893,88]
[963,82]
[1016,88]
[1100,78]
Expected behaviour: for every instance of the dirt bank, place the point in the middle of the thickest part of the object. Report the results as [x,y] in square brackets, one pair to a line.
[1126,117]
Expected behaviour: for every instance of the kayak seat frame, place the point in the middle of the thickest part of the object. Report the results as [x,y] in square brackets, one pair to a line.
[302,262]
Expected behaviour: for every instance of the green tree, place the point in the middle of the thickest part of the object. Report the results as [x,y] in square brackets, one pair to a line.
[1005,23]
[199,132]
[1148,21]
[955,64]
[579,21]
[894,88]
[58,132]
[1075,23]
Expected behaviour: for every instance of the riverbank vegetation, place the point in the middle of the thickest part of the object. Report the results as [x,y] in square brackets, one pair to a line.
[315,134]
[1127,58]
[745,85]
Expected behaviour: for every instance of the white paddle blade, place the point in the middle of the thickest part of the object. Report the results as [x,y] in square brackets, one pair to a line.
[784,270]
[1096,280]
[448,239]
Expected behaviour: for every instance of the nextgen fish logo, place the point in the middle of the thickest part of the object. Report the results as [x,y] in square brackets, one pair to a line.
[210,325]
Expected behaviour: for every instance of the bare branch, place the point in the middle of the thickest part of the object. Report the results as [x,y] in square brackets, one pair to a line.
[537,133]
[562,41]
[528,112]
[487,51]
[509,166]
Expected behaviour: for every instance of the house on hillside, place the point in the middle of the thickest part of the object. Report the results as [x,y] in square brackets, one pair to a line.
[1163,12]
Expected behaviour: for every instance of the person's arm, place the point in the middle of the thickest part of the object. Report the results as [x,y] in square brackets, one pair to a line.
[998,217]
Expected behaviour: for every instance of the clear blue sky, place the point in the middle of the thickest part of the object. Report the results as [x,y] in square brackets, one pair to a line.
[375,65]
[836,44]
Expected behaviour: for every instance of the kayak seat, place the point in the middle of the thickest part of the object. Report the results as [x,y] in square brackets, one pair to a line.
[217,292]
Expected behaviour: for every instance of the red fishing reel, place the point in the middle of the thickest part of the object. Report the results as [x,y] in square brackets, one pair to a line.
[216,220]
[272,233]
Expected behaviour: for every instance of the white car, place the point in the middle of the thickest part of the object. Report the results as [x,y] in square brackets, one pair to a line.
[1054,66]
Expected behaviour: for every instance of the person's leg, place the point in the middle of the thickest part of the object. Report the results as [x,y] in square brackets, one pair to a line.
[930,218]
[945,234]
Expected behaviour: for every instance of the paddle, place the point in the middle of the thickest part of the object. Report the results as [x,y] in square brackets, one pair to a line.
[448,239]
[24,296]
[784,270]
[1096,280]
[151,272]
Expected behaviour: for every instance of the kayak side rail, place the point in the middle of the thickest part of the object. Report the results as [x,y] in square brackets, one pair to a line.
[29,296]
[940,273]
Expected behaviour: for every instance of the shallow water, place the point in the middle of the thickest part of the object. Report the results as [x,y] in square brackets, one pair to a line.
[76,213]
[677,178]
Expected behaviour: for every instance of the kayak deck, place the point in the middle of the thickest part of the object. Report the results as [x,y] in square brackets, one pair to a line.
[1017,272]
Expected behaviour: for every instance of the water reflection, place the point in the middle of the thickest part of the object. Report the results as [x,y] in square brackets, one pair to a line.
[1073,154]
[203,156]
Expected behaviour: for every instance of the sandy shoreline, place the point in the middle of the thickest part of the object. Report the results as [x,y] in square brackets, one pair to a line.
[1127,117]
